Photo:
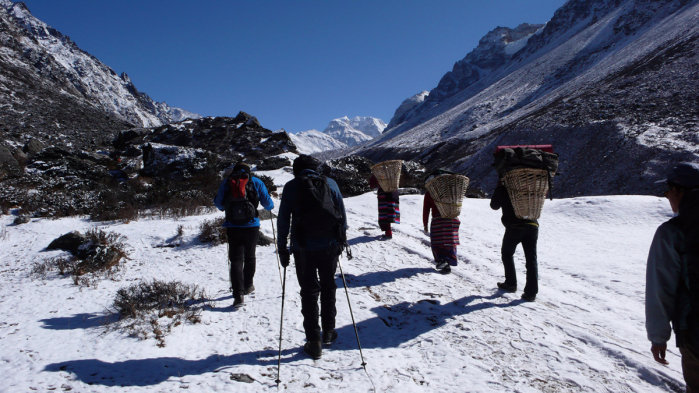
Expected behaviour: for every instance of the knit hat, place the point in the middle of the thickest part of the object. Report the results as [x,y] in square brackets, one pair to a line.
[684,175]
[242,167]
[305,162]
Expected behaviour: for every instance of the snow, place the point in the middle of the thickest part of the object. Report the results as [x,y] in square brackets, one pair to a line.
[313,141]
[514,46]
[419,330]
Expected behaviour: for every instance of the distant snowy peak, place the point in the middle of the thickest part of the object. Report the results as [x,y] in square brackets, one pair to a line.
[93,80]
[407,106]
[314,141]
[355,131]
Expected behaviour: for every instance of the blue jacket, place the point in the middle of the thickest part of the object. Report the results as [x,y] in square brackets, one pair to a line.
[262,194]
[286,220]
[666,300]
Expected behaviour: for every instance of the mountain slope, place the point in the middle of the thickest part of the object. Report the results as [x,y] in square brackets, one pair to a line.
[59,60]
[612,84]
[314,141]
[355,131]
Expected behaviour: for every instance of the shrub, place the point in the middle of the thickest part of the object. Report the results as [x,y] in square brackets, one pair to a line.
[153,308]
[211,231]
[268,180]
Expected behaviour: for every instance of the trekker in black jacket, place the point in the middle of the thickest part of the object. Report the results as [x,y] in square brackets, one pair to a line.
[316,255]
[517,230]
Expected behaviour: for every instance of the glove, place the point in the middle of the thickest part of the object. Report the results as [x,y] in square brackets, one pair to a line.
[284,256]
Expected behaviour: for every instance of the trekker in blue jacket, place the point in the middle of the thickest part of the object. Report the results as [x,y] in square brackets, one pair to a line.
[670,285]
[315,254]
[239,196]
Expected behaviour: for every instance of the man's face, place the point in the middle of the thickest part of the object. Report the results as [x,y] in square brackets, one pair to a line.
[674,195]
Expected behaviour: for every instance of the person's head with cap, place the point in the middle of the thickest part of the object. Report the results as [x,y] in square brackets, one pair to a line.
[242,166]
[305,162]
[684,177]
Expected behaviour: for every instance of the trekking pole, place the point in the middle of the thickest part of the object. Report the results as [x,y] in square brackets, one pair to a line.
[274,235]
[281,324]
[228,258]
[339,261]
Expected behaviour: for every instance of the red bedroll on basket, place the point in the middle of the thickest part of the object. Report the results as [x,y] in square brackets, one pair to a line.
[546,148]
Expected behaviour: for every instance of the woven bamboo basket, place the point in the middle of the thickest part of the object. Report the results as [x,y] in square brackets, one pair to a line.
[387,173]
[527,188]
[448,192]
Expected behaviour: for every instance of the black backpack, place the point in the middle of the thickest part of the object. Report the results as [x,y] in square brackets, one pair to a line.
[688,222]
[318,216]
[241,200]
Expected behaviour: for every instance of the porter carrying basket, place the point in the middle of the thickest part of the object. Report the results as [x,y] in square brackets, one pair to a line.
[527,188]
[448,192]
[387,173]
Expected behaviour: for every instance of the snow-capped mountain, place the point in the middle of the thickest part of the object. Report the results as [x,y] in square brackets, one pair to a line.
[58,59]
[314,141]
[612,84]
[405,109]
[355,131]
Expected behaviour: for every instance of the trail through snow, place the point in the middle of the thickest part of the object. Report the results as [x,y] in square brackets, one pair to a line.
[419,330]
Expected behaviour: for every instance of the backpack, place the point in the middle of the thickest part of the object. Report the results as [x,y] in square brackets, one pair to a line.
[688,222]
[318,216]
[241,200]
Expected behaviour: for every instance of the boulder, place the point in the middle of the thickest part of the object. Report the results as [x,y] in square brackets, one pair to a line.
[272,163]
[71,242]
[175,162]
[22,219]
[32,147]
[351,174]
[9,167]
[263,240]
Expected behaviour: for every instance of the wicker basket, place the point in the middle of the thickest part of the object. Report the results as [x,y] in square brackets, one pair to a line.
[527,188]
[387,173]
[448,192]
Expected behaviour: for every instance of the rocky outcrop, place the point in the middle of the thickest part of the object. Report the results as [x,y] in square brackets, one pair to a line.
[272,163]
[351,174]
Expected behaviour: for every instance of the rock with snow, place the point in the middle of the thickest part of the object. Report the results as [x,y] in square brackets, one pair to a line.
[351,174]
[176,161]
[274,162]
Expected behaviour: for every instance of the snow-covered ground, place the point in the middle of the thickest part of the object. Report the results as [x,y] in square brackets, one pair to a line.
[420,330]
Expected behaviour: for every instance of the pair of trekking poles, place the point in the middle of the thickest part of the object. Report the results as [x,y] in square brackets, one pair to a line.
[281,323]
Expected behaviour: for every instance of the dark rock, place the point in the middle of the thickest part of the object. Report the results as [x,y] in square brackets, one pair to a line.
[101,159]
[22,219]
[9,167]
[175,162]
[412,174]
[263,214]
[33,146]
[263,240]
[242,378]
[410,191]
[52,153]
[132,151]
[268,181]
[475,192]
[351,174]
[69,242]
[20,156]
[272,163]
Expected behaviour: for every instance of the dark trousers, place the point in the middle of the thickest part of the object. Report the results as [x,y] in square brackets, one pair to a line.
[527,235]
[315,271]
[690,361]
[242,243]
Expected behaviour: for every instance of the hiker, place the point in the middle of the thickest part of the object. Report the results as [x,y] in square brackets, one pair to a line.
[517,230]
[239,195]
[389,208]
[317,224]
[444,233]
[672,275]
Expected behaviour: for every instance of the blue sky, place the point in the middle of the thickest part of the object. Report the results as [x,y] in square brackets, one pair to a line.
[294,64]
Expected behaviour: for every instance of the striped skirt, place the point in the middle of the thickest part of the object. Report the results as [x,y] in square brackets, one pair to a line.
[444,231]
[389,208]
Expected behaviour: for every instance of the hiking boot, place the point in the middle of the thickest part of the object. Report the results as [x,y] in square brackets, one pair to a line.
[238,301]
[250,289]
[507,288]
[313,349]
[446,269]
[441,264]
[528,298]
[329,336]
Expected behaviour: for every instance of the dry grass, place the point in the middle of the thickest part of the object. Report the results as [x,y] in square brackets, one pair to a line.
[152,309]
[211,231]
